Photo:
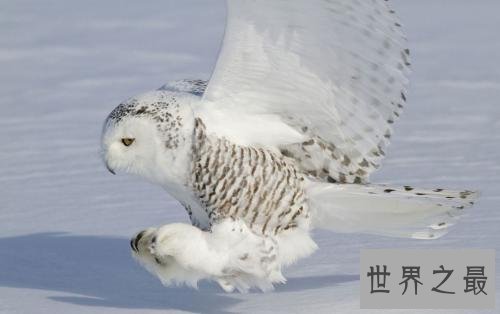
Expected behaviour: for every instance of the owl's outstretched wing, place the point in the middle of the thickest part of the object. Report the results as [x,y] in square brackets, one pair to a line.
[322,81]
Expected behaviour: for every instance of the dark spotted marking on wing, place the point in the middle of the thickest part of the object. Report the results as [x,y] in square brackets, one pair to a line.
[382,96]
[195,87]
[244,257]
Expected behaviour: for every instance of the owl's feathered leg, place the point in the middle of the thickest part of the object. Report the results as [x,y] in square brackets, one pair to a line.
[231,254]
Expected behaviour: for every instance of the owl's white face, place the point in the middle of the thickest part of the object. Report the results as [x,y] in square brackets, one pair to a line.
[131,146]
[150,136]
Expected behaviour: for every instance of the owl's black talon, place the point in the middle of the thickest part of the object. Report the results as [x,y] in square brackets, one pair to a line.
[135,242]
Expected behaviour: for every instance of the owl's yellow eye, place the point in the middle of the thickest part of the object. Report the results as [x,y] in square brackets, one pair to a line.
[128,141]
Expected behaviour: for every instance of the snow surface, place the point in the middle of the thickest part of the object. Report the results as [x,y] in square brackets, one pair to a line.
[65,221]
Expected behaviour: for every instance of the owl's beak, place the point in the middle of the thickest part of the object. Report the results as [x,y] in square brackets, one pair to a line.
[110,169]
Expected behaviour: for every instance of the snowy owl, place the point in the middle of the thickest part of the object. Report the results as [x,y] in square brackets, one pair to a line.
[281,140]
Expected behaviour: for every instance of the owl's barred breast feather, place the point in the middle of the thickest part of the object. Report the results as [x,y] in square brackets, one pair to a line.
[253,184]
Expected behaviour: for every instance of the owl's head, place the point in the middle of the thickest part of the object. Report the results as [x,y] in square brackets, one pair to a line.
[150,135]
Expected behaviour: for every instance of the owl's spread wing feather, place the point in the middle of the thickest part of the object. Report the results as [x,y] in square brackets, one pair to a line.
[331,74]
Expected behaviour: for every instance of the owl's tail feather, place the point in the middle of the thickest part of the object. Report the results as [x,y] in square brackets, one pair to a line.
[384,210]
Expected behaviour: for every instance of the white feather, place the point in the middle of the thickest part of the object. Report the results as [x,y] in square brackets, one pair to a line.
[231,254]
[338,68]
[386,210]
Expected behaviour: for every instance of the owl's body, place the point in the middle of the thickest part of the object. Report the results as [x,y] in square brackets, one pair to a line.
[282,140]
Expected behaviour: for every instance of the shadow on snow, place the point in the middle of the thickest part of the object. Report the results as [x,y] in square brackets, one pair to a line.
[101,272]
